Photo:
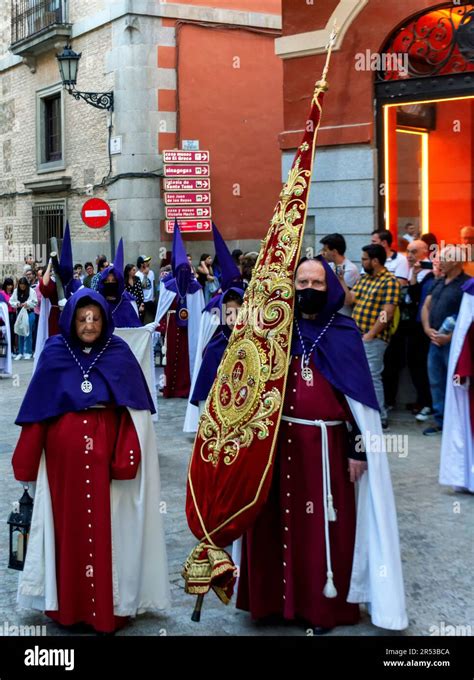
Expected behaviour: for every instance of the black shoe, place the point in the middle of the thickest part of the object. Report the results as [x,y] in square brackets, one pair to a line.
[384,423]
[432,431]
[319,630]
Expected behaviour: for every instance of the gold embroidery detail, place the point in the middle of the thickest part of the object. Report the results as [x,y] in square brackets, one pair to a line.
[241,402]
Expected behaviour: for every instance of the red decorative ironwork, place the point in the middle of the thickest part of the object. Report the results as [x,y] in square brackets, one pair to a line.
[435,43]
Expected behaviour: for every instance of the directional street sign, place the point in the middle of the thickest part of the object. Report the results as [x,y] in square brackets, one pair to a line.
[176,156]
[186,184]
[187,199]
[187,212]
[186,170]
[189,225]
[187,194]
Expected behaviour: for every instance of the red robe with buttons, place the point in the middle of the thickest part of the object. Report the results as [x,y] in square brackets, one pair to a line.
[465,369]
[177,378]
[283,566]
[84,452]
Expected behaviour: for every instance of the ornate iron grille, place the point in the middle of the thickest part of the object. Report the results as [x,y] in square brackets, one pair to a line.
[29,17]
[48,221]
[435,43]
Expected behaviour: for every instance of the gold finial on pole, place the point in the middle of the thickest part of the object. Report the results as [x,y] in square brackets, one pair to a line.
[322,85]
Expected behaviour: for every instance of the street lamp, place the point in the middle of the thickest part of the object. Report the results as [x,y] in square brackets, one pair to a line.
[68,62]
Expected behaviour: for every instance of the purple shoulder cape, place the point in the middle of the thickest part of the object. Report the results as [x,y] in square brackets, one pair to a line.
[340,354]
[55,387]
[469,286]
[211,359]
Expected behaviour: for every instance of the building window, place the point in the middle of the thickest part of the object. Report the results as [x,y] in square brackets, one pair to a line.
[50,129]
[48,222]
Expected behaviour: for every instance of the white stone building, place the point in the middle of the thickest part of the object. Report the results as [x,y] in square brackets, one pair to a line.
[54,149]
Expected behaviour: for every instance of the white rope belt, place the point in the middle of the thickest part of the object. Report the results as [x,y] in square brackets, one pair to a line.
[329,511]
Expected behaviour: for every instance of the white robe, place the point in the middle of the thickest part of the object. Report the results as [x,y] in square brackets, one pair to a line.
[139,562]
[377,578]
[457,446]
[6,361]
[42,333]
[140,341]
[195,305]
[208,325]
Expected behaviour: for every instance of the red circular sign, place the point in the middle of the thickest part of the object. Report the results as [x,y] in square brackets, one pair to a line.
[95,213]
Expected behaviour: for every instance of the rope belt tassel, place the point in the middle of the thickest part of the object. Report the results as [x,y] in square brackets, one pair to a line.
[329,510]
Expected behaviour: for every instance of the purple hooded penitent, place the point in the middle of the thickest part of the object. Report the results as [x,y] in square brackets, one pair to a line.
[117,377]
[231,277]
[340,354]
[182,282]
[231,281]
[123,314]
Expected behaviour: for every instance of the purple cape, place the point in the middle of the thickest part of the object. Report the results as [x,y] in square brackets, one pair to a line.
[469,287]
[55,386]
[340,354]
[211,359]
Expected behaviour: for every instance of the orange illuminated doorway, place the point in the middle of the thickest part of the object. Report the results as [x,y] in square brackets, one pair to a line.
[429,166]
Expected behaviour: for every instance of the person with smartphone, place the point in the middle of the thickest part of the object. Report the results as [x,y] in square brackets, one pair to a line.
[420,281]
[443,301]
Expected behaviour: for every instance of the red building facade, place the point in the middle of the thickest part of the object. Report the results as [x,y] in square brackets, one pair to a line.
[396,143]
[229,98]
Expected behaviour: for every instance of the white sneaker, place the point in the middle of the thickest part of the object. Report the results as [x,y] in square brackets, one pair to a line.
[424,414]
[18,357]
[27,356]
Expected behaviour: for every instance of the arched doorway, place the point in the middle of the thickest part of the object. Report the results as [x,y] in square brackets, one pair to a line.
[425,123]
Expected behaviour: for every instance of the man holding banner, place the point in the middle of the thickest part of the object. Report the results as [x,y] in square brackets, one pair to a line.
[307,552]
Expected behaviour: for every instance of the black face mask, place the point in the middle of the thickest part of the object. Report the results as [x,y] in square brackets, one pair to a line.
[310,301]
[111,289]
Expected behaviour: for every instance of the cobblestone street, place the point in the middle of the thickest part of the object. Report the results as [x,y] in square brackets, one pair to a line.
[435,525]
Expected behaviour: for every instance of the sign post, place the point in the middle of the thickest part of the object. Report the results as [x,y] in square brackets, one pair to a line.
[187,190]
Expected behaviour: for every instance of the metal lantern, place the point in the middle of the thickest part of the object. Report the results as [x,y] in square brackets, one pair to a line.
[68,64]
[20,523]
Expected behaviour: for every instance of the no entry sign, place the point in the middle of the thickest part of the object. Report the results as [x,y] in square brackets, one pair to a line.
[95,213]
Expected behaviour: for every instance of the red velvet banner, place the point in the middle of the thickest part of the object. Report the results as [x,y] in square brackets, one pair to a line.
[232,461]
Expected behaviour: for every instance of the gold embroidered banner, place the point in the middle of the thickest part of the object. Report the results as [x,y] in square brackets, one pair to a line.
[231,465]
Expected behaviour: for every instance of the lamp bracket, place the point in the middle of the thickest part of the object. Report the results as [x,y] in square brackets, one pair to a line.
[100,100]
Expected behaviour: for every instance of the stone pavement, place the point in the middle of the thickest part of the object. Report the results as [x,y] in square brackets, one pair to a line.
[436,529]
